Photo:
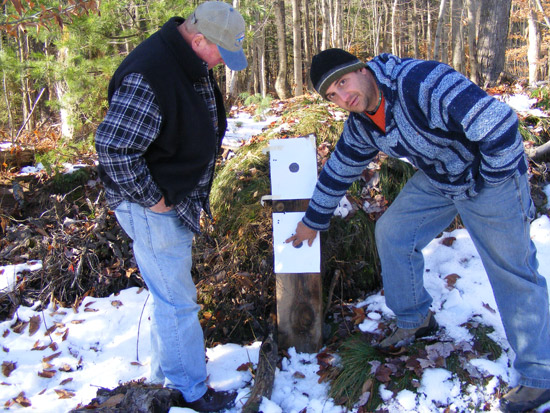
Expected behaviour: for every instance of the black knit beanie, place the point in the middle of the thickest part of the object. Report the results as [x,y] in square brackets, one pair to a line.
[329,65]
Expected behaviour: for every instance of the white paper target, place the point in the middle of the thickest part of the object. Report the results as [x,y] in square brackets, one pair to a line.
[293,167]
[289,259]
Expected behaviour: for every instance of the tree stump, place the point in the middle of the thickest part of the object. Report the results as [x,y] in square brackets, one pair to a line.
[133,397]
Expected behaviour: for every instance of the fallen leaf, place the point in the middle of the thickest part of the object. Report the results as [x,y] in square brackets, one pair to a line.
[448,241]
[8,367]
[22,400]
[47,374]
[46,365]
[6,333]
[77,321]
[38,347]
[35,322]
[451,280]
[50,358]
[383,374]
[5,349]
[488,307]
[298,375]
[20,326]
[64,382]
[113,401]
[9,403]
[412,364]
[66,368]
[367,386]
[64,394]
[115,303]
[245,367]
[358,315]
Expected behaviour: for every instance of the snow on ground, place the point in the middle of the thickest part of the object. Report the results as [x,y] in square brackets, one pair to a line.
[63,356]
[242,127]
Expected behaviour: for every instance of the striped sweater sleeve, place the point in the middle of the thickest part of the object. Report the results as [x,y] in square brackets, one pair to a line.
[350,157]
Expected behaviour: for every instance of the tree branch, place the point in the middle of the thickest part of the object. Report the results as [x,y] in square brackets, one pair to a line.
[537,152]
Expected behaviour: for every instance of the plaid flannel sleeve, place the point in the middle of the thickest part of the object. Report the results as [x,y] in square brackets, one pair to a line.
[132,123]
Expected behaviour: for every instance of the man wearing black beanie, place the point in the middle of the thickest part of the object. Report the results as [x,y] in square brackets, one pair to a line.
[470,161]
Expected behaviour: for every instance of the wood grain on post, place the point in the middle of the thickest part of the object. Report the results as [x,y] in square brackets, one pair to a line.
[293,167]
[299,300]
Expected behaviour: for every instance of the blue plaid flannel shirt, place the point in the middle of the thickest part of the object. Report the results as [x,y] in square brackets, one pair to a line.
[135,115]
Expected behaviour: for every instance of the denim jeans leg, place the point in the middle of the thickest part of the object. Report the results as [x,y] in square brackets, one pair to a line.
[156,376]
[418,214]
[162,248]
[498,221]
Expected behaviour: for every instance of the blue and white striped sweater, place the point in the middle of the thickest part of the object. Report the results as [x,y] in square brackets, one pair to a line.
[445,125]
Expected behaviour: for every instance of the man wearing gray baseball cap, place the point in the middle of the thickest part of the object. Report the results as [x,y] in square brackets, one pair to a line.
[157,148]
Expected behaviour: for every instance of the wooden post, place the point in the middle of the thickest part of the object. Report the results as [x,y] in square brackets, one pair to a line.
[299,312]
[298,280]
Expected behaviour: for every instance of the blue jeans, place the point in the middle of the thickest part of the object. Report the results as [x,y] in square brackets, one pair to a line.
[162,248]
[498,221]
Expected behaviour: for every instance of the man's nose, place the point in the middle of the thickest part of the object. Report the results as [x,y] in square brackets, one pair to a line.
[345,96]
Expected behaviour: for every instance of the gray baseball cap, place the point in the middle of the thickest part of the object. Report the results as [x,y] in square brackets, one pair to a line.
[223,25]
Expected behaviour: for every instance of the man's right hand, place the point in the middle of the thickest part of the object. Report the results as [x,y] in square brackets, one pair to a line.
[303,233]
[160,207]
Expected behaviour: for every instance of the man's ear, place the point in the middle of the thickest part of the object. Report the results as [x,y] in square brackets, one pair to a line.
[196,41]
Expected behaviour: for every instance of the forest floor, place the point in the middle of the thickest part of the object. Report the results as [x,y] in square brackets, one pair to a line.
[62,220]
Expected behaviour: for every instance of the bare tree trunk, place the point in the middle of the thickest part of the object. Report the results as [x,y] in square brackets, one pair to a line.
[493,34]
[23,54]
[326,24]
[541,10]
[393,27]
[472,6]
[307,45]
[61,89]
[533,51]
[297,48]
[439,31]
[231,76]
[255,63]
[281,83]
[457,35]
[315,48]
[429,36]
[260,45]
[338,34]
[376,23]
[11,126]
[386,22]
[415,29]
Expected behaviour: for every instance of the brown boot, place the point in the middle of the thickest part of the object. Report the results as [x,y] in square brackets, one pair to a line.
[523,399]
[403,336]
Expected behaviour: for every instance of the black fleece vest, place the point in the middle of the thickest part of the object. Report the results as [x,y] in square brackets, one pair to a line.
[187,141]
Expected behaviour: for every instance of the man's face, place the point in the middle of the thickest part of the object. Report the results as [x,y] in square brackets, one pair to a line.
[355,92]
[206,51]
